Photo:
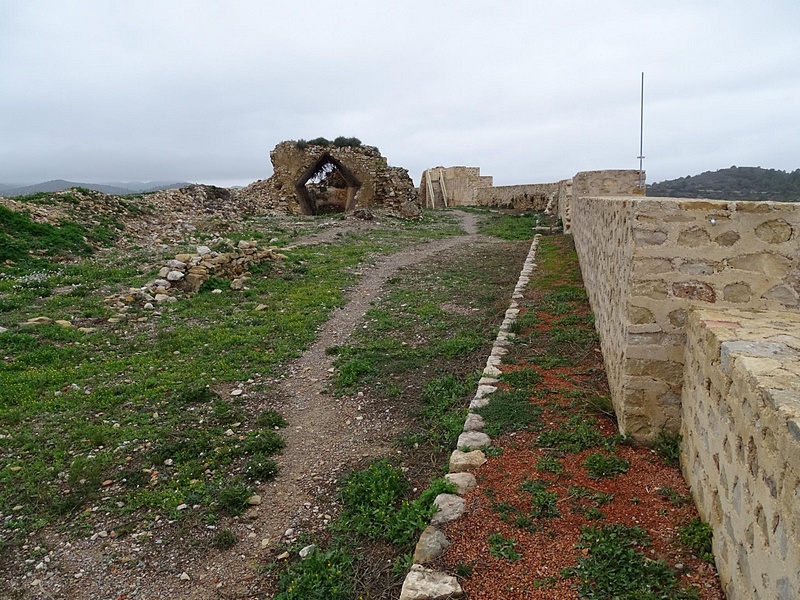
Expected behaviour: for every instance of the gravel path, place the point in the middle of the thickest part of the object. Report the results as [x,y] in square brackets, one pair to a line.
[326,437]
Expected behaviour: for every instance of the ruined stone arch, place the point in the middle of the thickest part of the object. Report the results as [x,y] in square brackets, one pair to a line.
[328,169]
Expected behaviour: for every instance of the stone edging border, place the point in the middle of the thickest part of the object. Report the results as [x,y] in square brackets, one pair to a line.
[426,584]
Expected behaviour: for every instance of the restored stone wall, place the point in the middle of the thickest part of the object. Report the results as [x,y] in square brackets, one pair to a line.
[611,182]
[741,445]
[646,261]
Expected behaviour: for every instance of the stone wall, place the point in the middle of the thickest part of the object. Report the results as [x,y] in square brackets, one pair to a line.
[537,197]
[381,185]
[741,445]
[465,186]
[647,261]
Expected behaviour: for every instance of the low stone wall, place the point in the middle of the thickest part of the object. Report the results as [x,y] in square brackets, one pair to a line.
[741,445]
[646,261]
[536,197]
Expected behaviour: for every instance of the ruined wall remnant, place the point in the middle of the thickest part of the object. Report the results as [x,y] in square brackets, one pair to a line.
[316,178]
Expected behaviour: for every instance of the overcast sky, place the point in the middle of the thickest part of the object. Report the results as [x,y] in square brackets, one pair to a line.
[528,91]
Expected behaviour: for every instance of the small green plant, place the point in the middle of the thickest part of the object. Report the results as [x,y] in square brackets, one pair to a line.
[593,513]
[374,505]
[271,418]
[403,563]
[698,537]
[548,462]
[505,510]
[522,378]
[196,395]
[265,442]
[668,446]
[463,570]
[543,502]
[224,539]
[500,547]
[675,498]
[576,434]
[233,498]
[321,576]
[615,567]
[601,465]
[260,468]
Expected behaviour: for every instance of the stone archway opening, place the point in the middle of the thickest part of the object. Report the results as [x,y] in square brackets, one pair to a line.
[327,186]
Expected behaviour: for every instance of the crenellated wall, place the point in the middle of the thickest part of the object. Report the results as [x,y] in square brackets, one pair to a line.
[741,445]
[647,261]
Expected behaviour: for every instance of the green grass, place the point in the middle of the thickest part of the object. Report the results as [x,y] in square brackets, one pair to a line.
[515,227]
[576,434]
[323,575]
[375,504]
[600,465]
[510,410]
[82,408]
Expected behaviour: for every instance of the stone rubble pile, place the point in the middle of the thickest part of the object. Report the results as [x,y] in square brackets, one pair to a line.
[188,271]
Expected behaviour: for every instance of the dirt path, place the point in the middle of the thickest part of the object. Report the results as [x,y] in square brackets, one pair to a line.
[326,437]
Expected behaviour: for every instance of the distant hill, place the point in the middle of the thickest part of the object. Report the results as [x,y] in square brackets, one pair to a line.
[735,183]
[121,189]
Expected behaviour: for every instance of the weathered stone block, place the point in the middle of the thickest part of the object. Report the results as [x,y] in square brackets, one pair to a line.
[774,232]
[646,237]
[736,292]
[651,266]
[694,290]
[772,265]
[694,237]
[727,239]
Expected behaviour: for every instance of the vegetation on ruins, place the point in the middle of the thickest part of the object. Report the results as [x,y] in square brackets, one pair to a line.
[339,142]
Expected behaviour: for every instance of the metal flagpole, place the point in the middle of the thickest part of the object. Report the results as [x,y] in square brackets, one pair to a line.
[641,138]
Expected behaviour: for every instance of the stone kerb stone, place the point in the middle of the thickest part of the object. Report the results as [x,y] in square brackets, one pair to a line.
[741,448]
[647,261]
[423,583]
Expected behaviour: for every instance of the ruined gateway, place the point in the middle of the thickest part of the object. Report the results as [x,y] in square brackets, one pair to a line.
[321,177]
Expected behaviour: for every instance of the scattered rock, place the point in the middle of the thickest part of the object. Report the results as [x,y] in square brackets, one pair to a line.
[304,552]
[254,500]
